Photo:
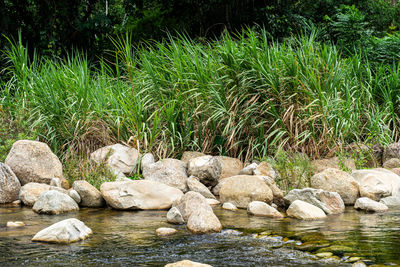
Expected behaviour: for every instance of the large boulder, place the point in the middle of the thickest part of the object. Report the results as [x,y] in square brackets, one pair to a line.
[206,168]
[33,161]
[259,208]
[187,263]
[229,166]
[9,185]
[334,180]
[391,151]
[139,195]
[118,157]
[90,196]
[198,214]
[319,165]
[188,155]
[54,202]
[367,204]
[196,186]
[377,183]
[304,211]
[66,231]
[329,202]
[31,192]
[171,172]
[240,190]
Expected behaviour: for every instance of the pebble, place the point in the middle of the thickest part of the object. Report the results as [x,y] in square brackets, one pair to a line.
[165,231]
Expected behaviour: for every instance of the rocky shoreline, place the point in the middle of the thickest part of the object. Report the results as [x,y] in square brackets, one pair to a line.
[32,175]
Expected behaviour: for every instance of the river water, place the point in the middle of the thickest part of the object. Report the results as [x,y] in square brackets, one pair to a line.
[126,238]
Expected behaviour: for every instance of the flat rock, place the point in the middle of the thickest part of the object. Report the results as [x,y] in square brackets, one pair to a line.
[304,211]
[66,231]
[118,157]
[334,180]
[54,202]
[367,204]
[377,183]
[329,202]
[90,196]
[165,231]
[33,161]
[9,185]
[195,185]
[259,208]
[174,216]
[240,190]
[171,172]
[139,194]
[229,206]
[206,168]
[187,263]
[30,192]
[229,166]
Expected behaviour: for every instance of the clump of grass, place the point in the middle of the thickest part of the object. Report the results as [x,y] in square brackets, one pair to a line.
[81,168]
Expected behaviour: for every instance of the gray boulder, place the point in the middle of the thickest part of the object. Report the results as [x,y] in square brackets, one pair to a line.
[329,202]
[171,172]
[66,231]
[174,216]
[206,168]
[54,202]
[196,186]
[33,161]
[90,196]
[9,185]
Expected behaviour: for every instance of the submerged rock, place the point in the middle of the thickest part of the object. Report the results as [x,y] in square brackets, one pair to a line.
[367,204]
[171,172]
[329,202]
[33,161]
[90,196]
[240,190]
[229,166]
[305,211]
[9,185]
[259,208]
[118,157]
[194,185]
[66,231]
[334,180]
[139,194]
[165,231]
[30,192]
[206,168]
[54,202]
[377,183]
[187,263]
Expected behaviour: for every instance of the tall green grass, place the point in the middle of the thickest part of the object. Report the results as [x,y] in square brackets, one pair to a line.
[243,96]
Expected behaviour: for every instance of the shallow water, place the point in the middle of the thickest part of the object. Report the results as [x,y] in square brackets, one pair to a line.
[127,238]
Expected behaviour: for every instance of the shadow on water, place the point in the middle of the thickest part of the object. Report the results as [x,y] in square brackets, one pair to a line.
[127,238]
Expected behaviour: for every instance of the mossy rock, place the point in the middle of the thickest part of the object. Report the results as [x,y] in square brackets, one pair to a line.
[324,255]
[336,249]
[312,237]
[313,246]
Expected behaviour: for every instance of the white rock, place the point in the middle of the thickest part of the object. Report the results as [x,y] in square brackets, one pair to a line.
[367,204]
[194,185]
[54,202]
[187,263]
[248,170]
[165,231]
[391,201]
[174,216]
[74,195]
[305,211]
[66,231]
[147,160]
[212,201]
[139,194]
[259,208]
[15,224]
[229,206]
[118,157]
[55,182]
